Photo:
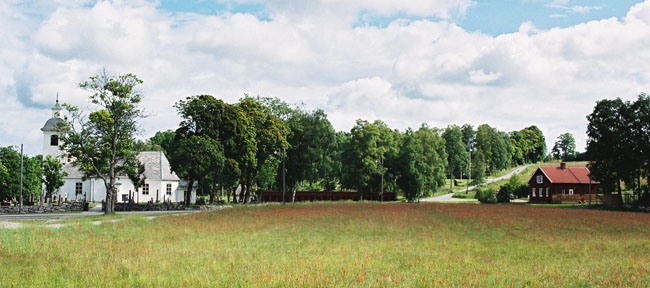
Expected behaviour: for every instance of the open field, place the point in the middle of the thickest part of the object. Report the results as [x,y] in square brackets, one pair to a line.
[335,244]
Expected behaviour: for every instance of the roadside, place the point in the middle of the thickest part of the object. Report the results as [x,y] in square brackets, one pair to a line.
[448,197]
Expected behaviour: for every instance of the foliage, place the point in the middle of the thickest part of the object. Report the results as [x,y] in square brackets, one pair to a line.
[486,195]
[434,159]
[102,145]
[10,174]
[52,175]
[457,153]
[197,154]
[565,147]
[411,167]
[311,148]
[270,136]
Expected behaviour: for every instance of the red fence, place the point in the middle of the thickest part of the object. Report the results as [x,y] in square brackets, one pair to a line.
[302,196]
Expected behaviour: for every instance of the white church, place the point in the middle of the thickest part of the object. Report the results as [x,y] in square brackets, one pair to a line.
[161,184]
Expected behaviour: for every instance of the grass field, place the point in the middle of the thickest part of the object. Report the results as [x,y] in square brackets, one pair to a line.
[336,244]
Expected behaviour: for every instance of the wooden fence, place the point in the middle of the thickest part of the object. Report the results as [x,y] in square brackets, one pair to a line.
[303,196]
[577,198]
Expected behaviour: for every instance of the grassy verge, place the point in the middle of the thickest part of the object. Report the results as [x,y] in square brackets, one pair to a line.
[340,244]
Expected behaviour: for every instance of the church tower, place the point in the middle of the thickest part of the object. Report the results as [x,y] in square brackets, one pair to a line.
[51,133]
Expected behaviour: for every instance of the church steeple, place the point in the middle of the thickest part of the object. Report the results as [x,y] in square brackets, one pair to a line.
[56,110]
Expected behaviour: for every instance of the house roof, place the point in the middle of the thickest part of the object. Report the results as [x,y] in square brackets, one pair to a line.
[156,167]
[572,175]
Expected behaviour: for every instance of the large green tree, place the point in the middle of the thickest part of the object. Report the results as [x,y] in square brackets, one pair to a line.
[101,145]
[196,151]
[52,175]
[412,165]
[456,152]
[434,157]
[565,147]
[311,148]
[270,136]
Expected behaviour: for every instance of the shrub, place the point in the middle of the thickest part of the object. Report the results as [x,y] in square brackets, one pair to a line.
[503,196]
[485,195]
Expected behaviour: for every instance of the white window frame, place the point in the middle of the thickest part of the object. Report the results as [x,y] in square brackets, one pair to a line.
[145,189]
[546,191]
[570,191]
[540,179]
[534,192]
[563,191]
[168,189]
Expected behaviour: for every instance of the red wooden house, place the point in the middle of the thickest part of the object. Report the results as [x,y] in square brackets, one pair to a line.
[549,181]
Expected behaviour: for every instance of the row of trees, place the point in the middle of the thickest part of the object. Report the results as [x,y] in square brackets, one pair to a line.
[244,144]
[618,143]
[222,145]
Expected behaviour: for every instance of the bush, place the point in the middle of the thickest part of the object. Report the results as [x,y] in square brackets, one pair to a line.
[503,196]
[486,195]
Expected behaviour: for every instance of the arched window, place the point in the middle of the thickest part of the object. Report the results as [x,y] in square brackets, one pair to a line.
[54,140]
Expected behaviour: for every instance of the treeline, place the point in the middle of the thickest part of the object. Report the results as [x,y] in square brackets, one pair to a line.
[224,146]
[10,175]
[618,144]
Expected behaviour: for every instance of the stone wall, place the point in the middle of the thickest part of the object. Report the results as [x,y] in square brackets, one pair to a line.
[63,207]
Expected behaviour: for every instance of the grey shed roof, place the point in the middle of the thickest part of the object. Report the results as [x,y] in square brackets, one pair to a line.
[51,124]
[156,167]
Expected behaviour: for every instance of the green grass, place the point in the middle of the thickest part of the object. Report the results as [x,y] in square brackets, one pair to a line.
[336,244]
[463,195]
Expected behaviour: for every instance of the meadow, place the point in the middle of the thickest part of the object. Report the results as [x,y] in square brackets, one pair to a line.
[335,244]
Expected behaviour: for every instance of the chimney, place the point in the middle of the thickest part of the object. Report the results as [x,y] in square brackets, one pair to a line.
[563,166]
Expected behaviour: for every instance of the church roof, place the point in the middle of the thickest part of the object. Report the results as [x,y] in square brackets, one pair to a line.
[51,124]
[156,167]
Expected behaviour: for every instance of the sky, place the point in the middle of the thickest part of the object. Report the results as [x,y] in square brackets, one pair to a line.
[509,64]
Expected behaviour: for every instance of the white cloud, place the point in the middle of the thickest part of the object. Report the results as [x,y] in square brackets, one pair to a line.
[405,73]
[564,5]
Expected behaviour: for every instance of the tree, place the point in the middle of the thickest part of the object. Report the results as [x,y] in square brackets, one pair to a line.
[135,172]
[362,157]
[565,147]
[52,175]
[605,131]
[4,181]
[411,165]
[270,136]
[311,148]
[196,152]
[456,151]
[434,159]
[194,158]
[102,145]
[533,144]
[10,159]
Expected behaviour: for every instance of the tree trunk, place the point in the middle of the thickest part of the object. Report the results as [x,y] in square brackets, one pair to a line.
[213,191]
[293,193]
[451,179]
[188,193]
[249,183]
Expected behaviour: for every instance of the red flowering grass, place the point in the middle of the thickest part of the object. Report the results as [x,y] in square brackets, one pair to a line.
[338,244]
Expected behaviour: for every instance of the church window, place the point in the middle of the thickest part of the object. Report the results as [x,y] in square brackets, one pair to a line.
[145,189]
[169,189]
[78,188]
[54,140]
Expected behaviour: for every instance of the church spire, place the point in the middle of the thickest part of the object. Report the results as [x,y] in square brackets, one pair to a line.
[56,110]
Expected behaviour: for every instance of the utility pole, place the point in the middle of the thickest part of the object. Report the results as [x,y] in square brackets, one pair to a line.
[283,171]
[21,178]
